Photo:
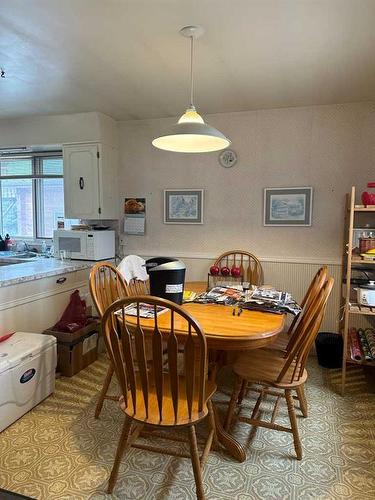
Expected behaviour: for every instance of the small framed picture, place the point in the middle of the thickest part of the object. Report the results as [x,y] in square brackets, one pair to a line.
[288,206]
[183,206]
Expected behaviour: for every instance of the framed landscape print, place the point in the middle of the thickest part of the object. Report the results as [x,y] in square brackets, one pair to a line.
[183,206]
[288,206]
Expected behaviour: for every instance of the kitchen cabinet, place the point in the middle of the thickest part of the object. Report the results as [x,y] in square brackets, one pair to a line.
[90,181]
[35,305]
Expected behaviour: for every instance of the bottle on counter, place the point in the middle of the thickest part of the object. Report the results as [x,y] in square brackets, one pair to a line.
[8,242]
[2,244]
[43,249]
[60,222]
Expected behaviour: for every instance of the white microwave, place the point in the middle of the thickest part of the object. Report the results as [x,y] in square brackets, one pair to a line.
[84,245]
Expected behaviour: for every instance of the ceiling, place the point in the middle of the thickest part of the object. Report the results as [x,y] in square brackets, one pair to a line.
[126,59]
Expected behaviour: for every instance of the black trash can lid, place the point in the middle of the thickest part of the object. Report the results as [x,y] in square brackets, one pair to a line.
[164,264]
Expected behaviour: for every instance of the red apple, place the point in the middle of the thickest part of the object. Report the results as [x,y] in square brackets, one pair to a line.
[235,271]
[214,270]
[225,271]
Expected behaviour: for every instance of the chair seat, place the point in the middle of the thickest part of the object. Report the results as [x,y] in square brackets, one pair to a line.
[264,366]
[168,418]
[280,342]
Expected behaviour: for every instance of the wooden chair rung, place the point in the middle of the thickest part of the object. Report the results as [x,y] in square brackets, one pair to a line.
[112,398]
[168,437]
[161,450]
[267,425]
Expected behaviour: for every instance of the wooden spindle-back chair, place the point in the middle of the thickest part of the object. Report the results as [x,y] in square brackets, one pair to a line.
[250,266]
[106,286]
[285,340]
[315,286]
[156,394]
[269,368]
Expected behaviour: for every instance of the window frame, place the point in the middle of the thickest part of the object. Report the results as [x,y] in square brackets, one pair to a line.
[37,198]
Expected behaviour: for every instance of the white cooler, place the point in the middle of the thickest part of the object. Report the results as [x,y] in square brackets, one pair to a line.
[27,374]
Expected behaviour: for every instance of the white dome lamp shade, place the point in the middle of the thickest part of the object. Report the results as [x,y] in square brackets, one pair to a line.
[190,134]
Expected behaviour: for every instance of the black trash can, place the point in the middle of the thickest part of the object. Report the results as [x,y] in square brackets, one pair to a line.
[329,349]
[167,278]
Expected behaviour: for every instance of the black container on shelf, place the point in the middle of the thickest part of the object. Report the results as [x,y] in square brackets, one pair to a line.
[329,349]
[167,278]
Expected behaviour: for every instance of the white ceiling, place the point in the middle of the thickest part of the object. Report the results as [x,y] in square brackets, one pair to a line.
[125,57]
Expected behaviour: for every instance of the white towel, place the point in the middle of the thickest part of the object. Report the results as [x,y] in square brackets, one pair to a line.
[132,267]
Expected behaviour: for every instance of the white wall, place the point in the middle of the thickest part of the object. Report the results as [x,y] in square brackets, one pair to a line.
[327,147]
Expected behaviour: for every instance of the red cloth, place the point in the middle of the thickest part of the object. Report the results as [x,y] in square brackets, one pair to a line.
[4,335]
[74,317]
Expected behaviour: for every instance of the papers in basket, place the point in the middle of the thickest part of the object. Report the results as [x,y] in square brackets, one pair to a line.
[145,310]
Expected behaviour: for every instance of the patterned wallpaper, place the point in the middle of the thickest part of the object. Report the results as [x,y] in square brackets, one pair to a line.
[327,147]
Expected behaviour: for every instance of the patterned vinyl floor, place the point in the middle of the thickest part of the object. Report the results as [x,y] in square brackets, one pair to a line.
[59,451]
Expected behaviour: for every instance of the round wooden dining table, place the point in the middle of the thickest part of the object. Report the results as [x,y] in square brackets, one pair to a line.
[226,332]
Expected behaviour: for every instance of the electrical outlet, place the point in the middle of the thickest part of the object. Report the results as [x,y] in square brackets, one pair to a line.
[122,239]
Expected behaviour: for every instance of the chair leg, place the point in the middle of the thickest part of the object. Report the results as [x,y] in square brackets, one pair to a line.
[293,423]
[123,444]
[302,400]
[196,463]
[211,416]
[103,392]
[233,400]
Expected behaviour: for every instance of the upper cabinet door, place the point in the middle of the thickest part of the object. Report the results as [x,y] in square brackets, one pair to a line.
[81,181]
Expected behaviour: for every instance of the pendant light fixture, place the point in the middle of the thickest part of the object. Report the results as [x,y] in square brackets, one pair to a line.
[190,134]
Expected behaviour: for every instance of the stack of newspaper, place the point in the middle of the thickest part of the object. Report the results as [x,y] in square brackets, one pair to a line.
[271,300]
[258,298]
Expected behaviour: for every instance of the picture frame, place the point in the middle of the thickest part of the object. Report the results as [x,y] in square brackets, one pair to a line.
[290,206]
[183,206]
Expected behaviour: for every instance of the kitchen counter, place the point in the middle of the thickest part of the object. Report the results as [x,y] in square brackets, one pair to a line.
[39,268]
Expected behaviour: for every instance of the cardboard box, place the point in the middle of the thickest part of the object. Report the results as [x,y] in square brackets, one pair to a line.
[76,350]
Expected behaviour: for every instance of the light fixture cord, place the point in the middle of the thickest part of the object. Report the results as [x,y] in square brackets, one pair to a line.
[192,72]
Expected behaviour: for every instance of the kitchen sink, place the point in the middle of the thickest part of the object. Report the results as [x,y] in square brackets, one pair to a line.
[22,255]
[5,262]
[10,258]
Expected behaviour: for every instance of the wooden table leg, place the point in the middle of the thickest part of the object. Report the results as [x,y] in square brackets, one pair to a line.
[233,447]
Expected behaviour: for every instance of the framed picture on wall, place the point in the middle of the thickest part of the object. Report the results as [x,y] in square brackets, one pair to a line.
[288,206]
[183,206]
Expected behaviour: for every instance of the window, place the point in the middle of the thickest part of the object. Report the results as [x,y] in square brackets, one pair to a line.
[31,195]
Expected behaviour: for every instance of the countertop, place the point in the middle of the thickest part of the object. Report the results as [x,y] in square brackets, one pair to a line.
[39,268]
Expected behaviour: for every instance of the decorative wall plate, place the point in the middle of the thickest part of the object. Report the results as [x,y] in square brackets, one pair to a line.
[228,158]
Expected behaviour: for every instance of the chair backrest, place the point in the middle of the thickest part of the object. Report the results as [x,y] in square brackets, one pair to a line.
[314,288]
[131,365]
[251,268]
[307,329]
[316,284]
[137,287]
[106,285]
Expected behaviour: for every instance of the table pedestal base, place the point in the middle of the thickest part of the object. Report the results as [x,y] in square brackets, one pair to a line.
[233,447]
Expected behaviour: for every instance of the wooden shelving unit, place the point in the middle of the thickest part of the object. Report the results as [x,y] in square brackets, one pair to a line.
[351,260]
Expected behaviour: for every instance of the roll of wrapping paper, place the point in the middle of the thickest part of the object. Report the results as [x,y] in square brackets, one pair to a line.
[370,337]
[364,345]
[355,345]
